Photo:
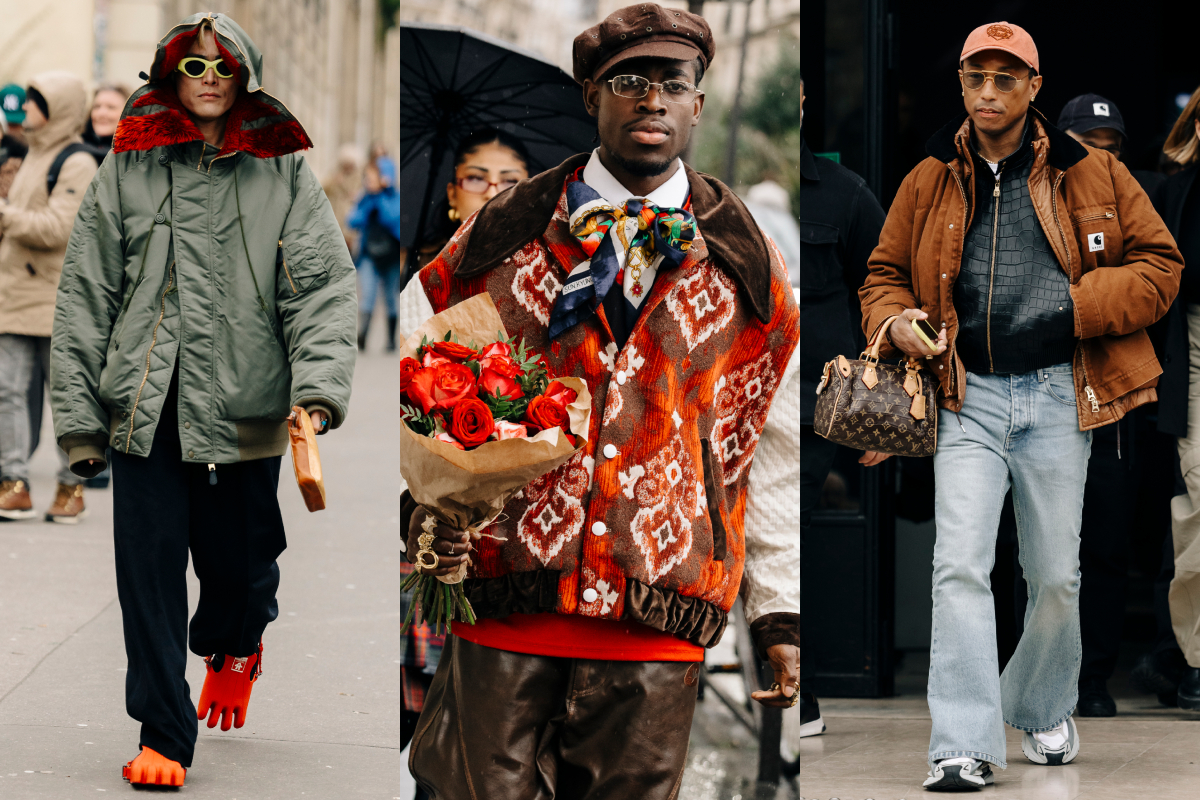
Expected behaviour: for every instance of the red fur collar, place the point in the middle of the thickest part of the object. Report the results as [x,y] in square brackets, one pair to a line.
[169,124]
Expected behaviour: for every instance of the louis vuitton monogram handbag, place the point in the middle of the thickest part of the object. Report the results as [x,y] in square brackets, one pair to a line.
[889,408]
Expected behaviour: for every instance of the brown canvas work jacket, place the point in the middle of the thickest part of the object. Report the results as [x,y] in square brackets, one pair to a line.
[1077,192]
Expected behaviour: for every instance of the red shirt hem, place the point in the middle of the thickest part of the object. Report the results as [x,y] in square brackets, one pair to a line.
[576,636]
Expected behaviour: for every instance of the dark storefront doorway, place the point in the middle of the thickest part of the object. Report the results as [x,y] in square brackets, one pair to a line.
[880,78]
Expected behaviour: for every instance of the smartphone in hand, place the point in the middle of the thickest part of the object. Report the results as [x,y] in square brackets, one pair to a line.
[926,333]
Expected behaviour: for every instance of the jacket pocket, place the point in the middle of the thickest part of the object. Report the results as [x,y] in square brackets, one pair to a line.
[714,495]
[820,267]
[1098,233]
[298,268]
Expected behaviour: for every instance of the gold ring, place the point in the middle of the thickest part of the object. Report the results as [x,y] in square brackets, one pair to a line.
[775,687]
[425,546]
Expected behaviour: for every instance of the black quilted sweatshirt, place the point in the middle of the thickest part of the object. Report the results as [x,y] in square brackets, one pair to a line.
[1012,297]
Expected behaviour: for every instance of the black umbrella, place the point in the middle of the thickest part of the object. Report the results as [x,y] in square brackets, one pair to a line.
[454,81]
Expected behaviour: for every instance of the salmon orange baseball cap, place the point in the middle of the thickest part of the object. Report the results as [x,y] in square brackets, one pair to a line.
[1002,36]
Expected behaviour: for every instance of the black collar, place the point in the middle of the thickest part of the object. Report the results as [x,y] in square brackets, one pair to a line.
[735,243]
[808,163]
[1065,152]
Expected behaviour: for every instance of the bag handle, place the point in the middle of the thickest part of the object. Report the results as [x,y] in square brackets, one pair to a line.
[872,351]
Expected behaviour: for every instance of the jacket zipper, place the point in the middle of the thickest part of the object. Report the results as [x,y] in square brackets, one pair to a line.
[950,349]
[153,341]
[283,258]
[992,272]
[1090,217]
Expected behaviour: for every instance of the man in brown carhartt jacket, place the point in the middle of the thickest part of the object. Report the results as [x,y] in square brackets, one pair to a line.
[1077,192]
[1040,262]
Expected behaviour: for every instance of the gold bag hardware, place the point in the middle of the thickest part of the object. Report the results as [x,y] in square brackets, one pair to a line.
[888,408]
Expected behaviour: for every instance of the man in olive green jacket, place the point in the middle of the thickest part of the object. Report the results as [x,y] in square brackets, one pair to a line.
[206,291]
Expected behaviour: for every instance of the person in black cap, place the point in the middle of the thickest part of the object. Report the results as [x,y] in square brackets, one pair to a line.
[1097,122]
[602,583]
[1120,455]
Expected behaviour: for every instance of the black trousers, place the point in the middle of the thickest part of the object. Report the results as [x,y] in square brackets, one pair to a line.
[162,508]
[816,459]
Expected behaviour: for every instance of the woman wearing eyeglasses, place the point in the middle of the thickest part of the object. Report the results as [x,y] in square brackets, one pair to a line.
[486,162]
[206,291]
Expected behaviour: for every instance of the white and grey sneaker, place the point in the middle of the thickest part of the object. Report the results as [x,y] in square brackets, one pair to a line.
[1053,748]
[960,773]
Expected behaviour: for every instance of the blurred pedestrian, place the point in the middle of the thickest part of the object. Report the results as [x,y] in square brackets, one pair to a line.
[376,217]
[1110,499]
[189,323]
[342,186]
[840,220]
[1041,321]
[107,104]
[1179,405]
[12,135]
[625,268]
[35,223]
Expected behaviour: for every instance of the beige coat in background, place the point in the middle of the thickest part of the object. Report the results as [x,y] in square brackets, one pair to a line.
[34,226]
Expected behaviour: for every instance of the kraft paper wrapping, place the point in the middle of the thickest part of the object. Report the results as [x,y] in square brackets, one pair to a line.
[467,490]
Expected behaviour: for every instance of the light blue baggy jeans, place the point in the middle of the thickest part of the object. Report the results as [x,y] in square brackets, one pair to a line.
[1020,431]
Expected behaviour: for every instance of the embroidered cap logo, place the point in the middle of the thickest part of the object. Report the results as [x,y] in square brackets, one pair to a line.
[1000,32]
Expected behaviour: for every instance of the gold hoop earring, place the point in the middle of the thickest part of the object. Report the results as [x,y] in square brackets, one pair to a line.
[453,214]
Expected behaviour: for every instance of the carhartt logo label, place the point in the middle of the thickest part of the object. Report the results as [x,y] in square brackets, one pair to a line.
[1000,32]
[1095,242]
[1100,109]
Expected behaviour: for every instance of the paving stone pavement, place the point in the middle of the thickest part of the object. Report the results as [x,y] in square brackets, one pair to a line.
[324,719]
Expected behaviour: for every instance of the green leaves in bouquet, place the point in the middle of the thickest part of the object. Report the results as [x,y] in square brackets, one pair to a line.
[535,378]
[504,409]
[421,423]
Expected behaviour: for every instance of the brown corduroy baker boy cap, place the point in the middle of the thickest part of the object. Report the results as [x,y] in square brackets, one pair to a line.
[645,30]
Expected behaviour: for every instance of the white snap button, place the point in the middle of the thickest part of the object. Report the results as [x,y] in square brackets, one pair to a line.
[610,451]
[599,528]
[951,226]
[589,595]
[943,276]
[621,378]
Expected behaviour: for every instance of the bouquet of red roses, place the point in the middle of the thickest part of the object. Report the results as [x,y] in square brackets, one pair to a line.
[483,418]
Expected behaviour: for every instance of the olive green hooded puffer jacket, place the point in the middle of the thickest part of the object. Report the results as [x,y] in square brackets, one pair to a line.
[230,263]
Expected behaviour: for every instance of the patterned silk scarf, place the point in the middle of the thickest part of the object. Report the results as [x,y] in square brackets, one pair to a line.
[625,244]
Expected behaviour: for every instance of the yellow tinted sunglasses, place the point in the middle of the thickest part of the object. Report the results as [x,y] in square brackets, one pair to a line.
[195,67]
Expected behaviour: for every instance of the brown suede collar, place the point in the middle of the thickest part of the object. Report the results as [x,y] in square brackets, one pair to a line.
[517,217]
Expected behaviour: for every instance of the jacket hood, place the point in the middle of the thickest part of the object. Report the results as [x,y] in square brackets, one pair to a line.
[1065,152]
[66,100]
[258,124]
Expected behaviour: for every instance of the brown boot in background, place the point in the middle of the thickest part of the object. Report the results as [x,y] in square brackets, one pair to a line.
[68,505]
[15,502]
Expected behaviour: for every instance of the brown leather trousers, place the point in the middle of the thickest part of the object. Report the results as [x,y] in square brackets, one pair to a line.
[509,726]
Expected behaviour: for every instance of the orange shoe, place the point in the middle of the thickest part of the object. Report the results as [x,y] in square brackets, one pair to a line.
[226,692]
[153,768]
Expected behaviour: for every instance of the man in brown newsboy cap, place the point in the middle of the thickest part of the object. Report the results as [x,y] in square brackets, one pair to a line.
[607,578]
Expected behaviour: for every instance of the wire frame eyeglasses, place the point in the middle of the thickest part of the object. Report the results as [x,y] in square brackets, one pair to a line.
[477,184]
[635,87]
[1003,82]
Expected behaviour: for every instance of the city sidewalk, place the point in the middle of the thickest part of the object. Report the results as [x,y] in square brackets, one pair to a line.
[876,749]
[324,719]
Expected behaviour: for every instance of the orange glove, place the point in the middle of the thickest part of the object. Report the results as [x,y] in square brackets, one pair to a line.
[226,692]
[152,767]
